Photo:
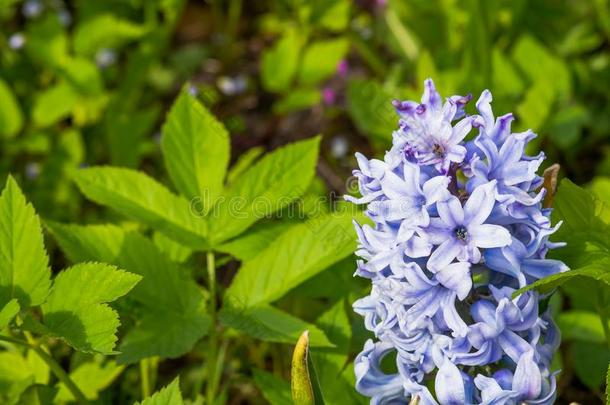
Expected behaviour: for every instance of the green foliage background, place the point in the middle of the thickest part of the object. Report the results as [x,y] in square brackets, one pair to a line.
[124,162]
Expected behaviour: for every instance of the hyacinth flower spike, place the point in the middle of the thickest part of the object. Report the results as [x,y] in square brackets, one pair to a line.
[445,206]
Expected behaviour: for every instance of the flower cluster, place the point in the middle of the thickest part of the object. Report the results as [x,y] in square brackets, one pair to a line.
[458,227]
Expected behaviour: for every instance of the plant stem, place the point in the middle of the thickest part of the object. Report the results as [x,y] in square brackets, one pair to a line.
[212,350]
[405,39]
[603,314]
[54,366]
[145,377]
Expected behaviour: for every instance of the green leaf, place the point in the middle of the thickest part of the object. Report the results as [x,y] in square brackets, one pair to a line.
[370,107]
[91,377]
[505,78]
[581,325]
[76,310]
[334,15]
[171,306]
[169,395]
[15,377]
[598,270]
[600,186]
[270,324]
[321,59]
[24,264]
[298,99]
[254,240]
[280,62]
[243,163]
[175,251]
[274,389]
[585,228]
[11,118]
[590,363]
[126,132]
[104,31]
[54,104]
[336,325]
[140,197]
[272,183]
[196,149]
[330,365]
[10,310]
[549,70]
[38,394]
[295,256]
[47,41]
[83,75]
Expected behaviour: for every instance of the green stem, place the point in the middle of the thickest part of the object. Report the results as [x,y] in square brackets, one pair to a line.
[212,350]
[145,377]
[401,33]
[54,366]
[233,15]
[603,314]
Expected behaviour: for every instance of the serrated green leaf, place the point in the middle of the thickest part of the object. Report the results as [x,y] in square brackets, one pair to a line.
[76,310]
[585,228]
[274,389]
[8,312]
[320,60]
[24,265]
[91,377]
[244,162]
[600,186]
[38,394]
[11,118]
[598,270]
[295,256]
[94,34]
[175,251]
[272,183]
[279,63]
[270,324]
[171,307]
[196,150]
[138,196]
[255,240]
[169,395]
[15,377]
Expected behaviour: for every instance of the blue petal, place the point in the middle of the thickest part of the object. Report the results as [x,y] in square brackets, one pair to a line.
[449,385]
[527,380]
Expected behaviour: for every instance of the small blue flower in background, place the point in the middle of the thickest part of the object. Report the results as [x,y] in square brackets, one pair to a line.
[456,196]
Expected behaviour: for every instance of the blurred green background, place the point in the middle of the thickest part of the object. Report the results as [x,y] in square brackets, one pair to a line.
[89,82]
